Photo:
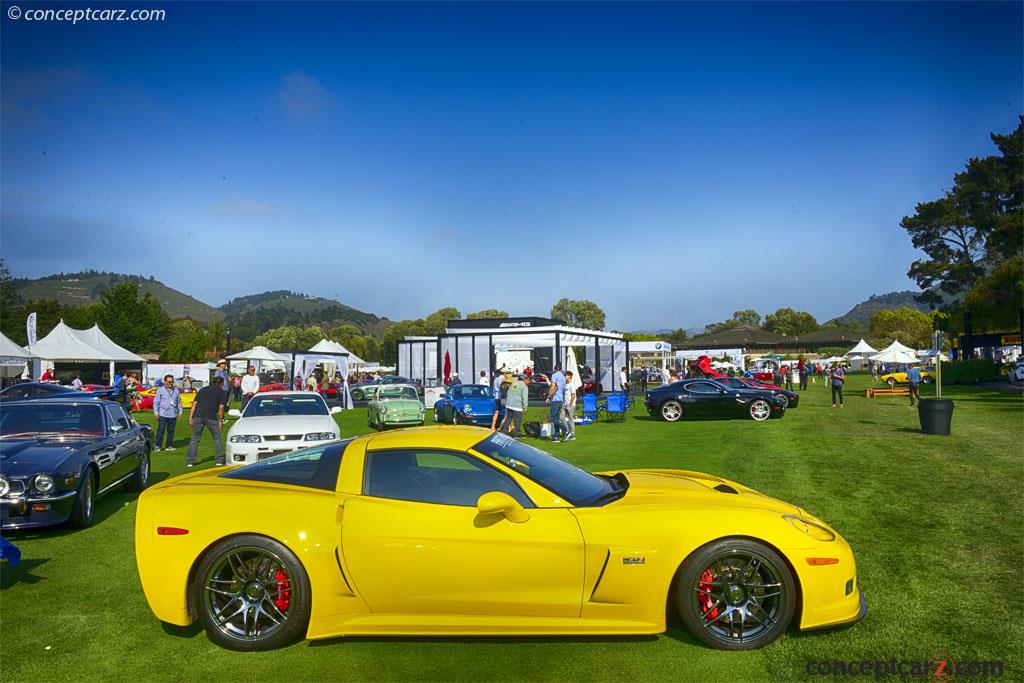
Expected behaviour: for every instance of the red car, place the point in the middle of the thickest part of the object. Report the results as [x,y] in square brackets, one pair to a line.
[275,386]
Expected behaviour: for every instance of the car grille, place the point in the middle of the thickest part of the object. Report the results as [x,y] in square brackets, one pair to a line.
[271,454]
[17,488]
[282,437]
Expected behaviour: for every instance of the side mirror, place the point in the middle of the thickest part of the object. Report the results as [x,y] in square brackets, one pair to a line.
[494,502]
[116,428]
[335,410]
[234,412]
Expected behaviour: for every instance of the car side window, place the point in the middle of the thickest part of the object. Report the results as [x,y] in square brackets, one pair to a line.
[429,476]
[116,416]
[703,388]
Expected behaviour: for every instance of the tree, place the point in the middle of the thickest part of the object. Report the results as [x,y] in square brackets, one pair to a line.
[579,313]
[677,337]
[394,334]
[187,343]
[974,227]
[290,338]
[350,336]
[488,313]
[437,322]
[747,317]
[217,333]
[790,322]
[640,336]
[910,326]
[139,325]
[995,302]
[10,312]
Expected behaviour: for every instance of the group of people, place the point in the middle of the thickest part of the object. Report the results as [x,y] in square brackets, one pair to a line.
[511,391]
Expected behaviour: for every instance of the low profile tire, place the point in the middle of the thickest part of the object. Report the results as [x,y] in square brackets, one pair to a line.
[735,594]
[456,420]
[759,410]
[437,417]
[141,478]
[671,410]
[891,382]
[85,502]
[783,399]
[927,380]
[252,594]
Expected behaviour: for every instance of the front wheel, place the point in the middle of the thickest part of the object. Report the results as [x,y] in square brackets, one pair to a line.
[927,380]
[253,594]
[891,382]
[783,399]
[735,594]
[760,410]
[82,511]
[141,477]
[437,416]
[357,394]
[672,410]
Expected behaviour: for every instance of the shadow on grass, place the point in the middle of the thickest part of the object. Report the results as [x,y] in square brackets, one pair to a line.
[467,640]
[20,574]
[190,631]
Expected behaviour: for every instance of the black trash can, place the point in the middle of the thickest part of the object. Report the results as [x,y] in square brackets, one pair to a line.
[936,415]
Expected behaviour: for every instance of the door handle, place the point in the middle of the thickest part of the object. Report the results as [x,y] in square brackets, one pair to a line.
[339,514]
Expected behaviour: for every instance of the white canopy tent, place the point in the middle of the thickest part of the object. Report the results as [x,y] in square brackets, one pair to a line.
[95,338]
[329,346]
[66,344]
[862,348]
[899,347]
[892,355]
[13,358]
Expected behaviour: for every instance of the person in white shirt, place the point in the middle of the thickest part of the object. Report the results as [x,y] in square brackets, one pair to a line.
[483,378]
[250,386]
[569,407]
[624,380]
[666,376]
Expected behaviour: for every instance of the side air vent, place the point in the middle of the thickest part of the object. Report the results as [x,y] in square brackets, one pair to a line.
[725,488]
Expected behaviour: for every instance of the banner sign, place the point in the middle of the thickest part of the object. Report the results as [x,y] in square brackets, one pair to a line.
[30,328]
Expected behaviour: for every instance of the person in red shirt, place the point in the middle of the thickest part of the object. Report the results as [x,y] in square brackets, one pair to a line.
[48,376]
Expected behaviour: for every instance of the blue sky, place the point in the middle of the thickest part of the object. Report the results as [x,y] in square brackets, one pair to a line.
[672,162]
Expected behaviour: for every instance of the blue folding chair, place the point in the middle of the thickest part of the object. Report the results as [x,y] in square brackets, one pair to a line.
[615,407]
[590,407]
[629,401]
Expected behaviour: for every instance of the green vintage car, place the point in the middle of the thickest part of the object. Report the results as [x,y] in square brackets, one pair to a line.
[395,405]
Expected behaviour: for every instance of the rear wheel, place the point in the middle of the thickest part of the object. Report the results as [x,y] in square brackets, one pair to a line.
[357,394]
[671,410]
[891,382]
[141,477]
[735,594]
[252,593]
[437,416]
[760,410]
[82,511]
[927,380]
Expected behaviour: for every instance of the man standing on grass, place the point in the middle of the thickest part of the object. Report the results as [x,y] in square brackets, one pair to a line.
[250,386]
[499,399]
[516,402]
[838,379]
[167,410]
[222,372]
[914,378]
[207,411]
[569,408]
[556,396]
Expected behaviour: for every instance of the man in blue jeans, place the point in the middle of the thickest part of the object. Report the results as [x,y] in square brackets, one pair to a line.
[914,379]
[556,395]
[167,410]
[207,412]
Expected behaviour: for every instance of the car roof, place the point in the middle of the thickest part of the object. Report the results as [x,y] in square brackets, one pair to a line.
[398,386]
[284,392]
[448,438]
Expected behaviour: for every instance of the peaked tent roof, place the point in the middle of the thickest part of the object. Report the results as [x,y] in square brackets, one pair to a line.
[9,349]
[899,347]
[259,353]
[328,346]
[95,338]
[891,355]
[862,347]
[64,344]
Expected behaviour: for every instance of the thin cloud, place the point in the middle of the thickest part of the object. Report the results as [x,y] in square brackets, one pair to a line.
[303,98]
[246,209]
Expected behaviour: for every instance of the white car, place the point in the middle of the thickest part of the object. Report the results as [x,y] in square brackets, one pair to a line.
[276,422]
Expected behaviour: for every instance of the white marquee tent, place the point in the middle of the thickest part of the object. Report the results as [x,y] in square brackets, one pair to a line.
[328,346]
[862,349]
[66,344]
[895,355]
[13,358]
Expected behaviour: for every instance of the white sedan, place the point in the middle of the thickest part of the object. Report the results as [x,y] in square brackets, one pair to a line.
[278,422]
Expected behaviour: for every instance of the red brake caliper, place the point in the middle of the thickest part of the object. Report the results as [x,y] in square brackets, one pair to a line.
[284,591]
[704,598]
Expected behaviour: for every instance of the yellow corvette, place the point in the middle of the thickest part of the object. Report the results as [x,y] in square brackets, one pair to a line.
[464,531]
[894,378]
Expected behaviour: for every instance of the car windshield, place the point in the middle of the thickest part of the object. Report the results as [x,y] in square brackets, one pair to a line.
[40,418]
[397,392]
[305,403]
[471,391]
[572,484]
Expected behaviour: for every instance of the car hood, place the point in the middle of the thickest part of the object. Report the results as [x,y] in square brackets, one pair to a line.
[24,457]
[672,487]
[284,424]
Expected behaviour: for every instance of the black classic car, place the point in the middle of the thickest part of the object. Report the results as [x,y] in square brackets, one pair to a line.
[57,456]
[708,398]
[789,399]
[28,391]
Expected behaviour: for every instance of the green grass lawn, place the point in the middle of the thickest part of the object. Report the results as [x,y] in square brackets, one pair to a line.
[935,522]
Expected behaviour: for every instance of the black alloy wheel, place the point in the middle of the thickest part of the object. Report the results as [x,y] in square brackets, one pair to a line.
[141,477]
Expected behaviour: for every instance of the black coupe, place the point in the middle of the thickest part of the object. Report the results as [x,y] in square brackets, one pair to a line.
[57,456]
[708,398]
[789,399]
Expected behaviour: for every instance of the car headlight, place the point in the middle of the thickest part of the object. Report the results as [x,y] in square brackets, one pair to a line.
[383,409]
[43,483]
[320,436]
[467,409]
[5,487]
[246,438]
[812,529]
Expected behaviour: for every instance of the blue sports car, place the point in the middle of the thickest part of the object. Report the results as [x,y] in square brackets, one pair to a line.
[57,456]
[469,404]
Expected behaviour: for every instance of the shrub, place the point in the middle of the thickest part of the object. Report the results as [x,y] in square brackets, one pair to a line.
[969,371]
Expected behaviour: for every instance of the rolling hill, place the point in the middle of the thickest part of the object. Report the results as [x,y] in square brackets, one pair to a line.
[77,289]
[860,314]
[250,315]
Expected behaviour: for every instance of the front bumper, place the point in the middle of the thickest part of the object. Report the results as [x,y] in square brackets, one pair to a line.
[861,613]
[246,453]
[36,511]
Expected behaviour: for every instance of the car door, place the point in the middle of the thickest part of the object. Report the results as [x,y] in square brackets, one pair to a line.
[415,543]
[712,401]
[125,443]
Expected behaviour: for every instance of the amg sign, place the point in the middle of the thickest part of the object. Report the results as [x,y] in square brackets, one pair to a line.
[519,324]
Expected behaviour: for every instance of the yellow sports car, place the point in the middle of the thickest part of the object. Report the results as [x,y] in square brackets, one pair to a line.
[465,531]
[894,378]
[146,396]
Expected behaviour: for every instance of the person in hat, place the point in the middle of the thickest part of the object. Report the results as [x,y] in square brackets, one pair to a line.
[515,406]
